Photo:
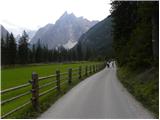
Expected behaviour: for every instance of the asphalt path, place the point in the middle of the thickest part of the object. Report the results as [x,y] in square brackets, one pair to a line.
[99,96]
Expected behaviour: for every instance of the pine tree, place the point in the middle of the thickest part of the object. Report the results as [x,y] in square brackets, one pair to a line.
[87,53]
[38,54]
[6,50]
[79,51]
[45,55]
[23,49]
[12,49]
[3,49]
[55,55]
[33,54]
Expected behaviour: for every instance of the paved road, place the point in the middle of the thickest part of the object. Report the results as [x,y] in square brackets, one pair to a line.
[99,96]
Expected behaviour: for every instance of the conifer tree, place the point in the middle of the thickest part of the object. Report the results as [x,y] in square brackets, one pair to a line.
[23,48]
[12,49]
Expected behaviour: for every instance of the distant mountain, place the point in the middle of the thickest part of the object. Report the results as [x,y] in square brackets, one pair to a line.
[17,30]
[3,32]
[31,33]
[98,38]
[65,32]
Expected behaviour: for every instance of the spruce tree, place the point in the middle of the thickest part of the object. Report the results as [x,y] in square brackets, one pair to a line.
[3,48]
[79,51]
[23,48]
[33,54]
[12,49]
[38,54]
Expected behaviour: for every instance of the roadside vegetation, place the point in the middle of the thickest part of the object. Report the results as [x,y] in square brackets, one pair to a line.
[144,85]
[136,45]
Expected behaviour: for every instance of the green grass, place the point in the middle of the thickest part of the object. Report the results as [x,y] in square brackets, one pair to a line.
[144,85]
[14,76]
[11,77]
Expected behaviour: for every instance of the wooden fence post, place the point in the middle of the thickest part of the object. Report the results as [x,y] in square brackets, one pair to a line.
[86,72]
[80,72]
[58,80]
[35,91]
[98,67]
[94,69]
[90,69]
[70,75]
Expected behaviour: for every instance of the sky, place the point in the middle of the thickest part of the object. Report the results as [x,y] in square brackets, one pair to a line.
[33,14]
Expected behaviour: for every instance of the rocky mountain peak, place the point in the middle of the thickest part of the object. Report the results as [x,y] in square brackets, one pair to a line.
[66,17]
[66,14]
[65,32]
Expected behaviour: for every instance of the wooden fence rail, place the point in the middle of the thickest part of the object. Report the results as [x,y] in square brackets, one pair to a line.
[71,74]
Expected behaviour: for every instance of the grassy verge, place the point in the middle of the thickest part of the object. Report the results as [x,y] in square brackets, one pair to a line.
[17,76]
[143,85]
[46,102]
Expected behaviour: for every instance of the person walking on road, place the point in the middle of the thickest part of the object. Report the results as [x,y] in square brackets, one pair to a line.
[107,64]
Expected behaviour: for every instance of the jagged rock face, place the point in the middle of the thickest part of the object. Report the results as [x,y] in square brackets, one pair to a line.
[65,32]
[3,32]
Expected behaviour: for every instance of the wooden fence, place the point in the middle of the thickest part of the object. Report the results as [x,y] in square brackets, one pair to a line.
[34,83]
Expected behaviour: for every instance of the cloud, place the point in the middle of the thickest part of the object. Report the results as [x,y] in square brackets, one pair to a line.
[33,14]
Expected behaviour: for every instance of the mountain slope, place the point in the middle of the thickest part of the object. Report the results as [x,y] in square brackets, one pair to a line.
[67,29]
[3,32]
[98,38]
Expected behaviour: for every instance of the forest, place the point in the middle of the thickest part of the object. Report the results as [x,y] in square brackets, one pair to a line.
[136,47]
[135,33]
[24,53]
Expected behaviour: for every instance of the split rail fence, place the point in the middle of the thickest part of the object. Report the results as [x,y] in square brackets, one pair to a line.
[57,81]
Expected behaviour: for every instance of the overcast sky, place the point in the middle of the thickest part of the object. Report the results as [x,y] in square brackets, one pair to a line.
[32,14]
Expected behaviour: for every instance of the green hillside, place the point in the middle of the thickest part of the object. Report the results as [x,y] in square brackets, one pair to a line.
[98,39]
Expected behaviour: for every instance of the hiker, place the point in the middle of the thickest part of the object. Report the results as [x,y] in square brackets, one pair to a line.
[107,65]
[112,64]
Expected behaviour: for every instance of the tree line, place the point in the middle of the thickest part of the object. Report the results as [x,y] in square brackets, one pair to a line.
[135,33]
[22,52]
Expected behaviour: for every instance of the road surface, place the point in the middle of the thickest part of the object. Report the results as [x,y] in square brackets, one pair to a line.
[99,96]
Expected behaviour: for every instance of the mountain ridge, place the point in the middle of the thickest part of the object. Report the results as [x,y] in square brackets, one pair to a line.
[67,29]
[98,39]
